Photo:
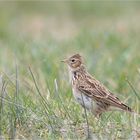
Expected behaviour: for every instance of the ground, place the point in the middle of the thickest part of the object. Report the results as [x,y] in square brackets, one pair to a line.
[36,100]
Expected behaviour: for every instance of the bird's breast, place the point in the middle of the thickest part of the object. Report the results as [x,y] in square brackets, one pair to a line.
[82,99]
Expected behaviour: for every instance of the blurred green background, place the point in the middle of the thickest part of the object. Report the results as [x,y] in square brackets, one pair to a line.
[39,35]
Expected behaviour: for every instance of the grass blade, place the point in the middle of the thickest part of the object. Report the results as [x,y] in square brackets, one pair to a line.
[45,104]
[132,87]
[86,117]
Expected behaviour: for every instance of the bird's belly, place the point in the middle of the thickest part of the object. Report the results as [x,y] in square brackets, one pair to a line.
[83,99]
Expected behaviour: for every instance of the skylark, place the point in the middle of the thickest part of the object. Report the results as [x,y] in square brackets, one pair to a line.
[89,92]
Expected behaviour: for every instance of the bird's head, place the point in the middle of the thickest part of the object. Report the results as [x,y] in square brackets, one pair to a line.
[74,62]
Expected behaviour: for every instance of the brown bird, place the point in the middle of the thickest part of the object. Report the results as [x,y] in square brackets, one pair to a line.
[89,92]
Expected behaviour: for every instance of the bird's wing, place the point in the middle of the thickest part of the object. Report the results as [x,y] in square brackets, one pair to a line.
[98,92]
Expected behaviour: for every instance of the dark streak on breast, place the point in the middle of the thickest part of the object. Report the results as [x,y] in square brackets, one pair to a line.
[74,73]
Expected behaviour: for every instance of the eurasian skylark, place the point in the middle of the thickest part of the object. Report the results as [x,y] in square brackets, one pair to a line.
[89,92]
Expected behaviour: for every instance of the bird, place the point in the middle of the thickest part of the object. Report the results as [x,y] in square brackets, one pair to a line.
[89,92]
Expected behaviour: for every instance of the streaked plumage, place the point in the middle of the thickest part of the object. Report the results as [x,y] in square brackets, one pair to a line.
[89,92]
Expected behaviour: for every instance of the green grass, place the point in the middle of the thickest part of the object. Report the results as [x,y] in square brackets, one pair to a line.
[36,100]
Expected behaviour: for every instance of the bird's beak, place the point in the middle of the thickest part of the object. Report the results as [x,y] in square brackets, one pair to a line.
[64,61]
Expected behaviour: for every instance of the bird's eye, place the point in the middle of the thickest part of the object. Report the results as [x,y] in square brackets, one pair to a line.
[73,60]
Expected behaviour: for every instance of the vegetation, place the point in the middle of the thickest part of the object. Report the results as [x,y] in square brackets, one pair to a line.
[36,101]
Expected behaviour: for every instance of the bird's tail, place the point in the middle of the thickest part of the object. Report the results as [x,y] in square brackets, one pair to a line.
[128,109]
[125,108]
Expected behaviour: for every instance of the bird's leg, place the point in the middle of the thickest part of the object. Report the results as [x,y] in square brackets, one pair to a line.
[98,115]
[97,112]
